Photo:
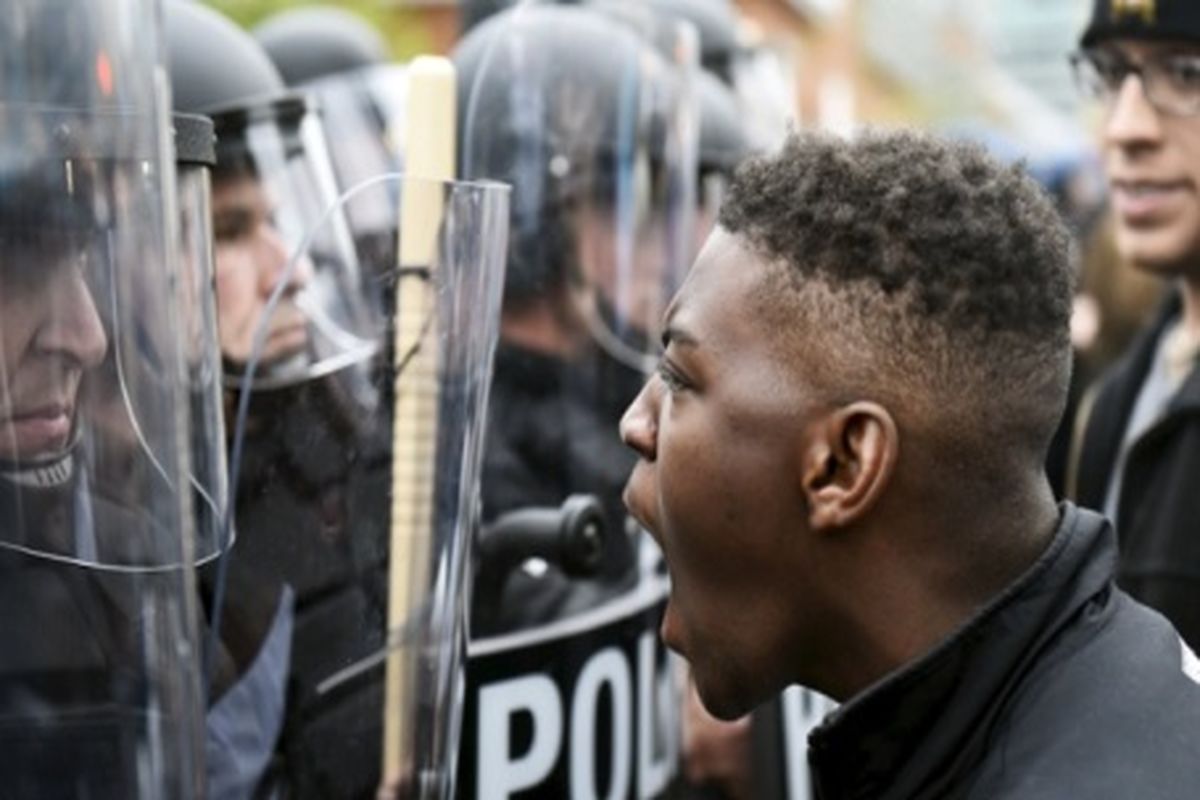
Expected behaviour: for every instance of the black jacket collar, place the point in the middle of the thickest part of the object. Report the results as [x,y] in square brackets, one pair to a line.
[1105,429]
[921,729]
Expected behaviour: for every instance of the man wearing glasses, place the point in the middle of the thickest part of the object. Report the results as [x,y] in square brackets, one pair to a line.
[1138,451]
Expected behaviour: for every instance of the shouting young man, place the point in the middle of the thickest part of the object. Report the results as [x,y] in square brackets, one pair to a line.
[842,458]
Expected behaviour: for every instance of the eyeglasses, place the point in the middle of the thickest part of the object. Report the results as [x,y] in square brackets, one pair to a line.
[1171,82]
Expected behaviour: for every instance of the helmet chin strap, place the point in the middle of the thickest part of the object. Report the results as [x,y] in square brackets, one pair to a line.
[43,472]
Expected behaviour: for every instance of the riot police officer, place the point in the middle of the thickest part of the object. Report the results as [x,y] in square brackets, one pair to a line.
[301,600]
[99,693]
[587,121]
[584,132]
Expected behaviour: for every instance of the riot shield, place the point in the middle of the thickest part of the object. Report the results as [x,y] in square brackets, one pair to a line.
[342,597]
[592,125]
[98,694]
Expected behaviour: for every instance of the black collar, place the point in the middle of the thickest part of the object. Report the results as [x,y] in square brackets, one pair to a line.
[920,728]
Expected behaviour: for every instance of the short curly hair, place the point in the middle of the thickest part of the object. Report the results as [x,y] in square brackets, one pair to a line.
[942,276]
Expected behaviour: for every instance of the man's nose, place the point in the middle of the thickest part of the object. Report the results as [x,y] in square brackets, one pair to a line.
[639,424]
[1132,120]
[73,324]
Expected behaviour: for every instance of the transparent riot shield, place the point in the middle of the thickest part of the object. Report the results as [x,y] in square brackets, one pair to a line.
[98,691]
[593,126]
[340,606]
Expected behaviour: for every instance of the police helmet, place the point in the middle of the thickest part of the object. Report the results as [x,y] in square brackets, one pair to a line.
[214,64]
[553,120]
[716,25]
[312,42]
[723,137]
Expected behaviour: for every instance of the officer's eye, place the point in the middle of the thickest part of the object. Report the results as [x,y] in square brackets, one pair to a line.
[231,226]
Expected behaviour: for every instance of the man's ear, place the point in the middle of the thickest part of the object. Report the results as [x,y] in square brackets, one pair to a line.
[847,463]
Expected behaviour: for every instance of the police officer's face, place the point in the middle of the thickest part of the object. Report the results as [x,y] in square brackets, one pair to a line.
[627,264]
[1153,163]
[251,259]
[717,434]
[50,334]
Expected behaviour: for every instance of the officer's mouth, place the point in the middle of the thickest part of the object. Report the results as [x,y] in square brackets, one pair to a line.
[39,430]
[286,340]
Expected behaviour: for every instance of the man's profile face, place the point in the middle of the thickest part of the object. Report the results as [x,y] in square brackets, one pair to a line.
[718,433]
[50,335]
[251,259]
[1152,160]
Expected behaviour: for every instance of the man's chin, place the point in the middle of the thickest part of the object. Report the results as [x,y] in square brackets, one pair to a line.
[1159,253]
[719,697]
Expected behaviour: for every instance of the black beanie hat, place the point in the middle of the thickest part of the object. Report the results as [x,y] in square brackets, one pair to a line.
[1143,19]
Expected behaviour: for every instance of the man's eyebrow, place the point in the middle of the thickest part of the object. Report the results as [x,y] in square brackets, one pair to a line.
[1175,50]
[673,333]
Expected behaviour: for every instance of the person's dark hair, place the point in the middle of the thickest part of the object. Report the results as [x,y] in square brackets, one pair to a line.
[940,277]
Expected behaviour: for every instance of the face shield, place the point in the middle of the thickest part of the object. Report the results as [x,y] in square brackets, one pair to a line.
[270,190]
[597,138]
[723,143]
[99,694]
[90,381]
[362,112]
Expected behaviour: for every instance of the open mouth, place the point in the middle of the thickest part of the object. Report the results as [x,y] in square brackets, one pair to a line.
[669,630]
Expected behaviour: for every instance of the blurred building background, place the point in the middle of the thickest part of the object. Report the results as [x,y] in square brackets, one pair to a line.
[991,71]
[969,65]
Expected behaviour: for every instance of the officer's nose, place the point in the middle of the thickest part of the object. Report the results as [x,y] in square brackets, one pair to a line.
[72,326]
[272,255]
[639,425]
[1131,120]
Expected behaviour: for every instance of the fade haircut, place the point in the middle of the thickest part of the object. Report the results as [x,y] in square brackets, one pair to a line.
[940,280]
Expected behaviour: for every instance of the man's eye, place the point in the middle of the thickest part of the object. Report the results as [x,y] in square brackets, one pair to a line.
[1184,73]
[1112,71]
[670,378]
